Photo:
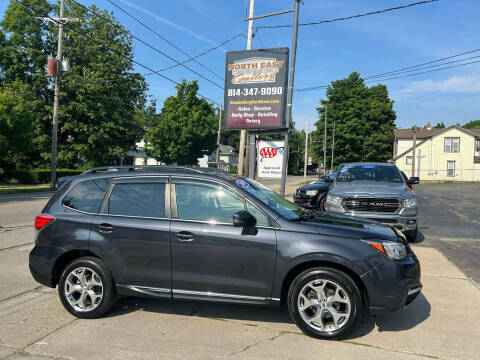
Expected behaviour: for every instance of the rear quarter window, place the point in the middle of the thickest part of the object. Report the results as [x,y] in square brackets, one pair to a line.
[86,196]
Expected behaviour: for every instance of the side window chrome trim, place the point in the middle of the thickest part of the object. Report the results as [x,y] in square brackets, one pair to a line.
[218,223]
[80,211]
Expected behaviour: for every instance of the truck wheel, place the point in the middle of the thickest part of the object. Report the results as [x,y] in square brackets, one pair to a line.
[324,303]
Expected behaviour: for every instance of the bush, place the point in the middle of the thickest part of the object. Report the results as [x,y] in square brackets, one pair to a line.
[38,176]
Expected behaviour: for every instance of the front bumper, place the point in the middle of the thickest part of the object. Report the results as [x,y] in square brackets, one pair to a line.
[404,220]
[393,284]
[306,201]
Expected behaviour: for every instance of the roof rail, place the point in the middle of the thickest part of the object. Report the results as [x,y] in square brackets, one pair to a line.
[140,168]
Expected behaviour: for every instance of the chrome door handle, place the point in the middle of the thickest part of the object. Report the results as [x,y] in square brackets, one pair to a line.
[104,228]
[184,235]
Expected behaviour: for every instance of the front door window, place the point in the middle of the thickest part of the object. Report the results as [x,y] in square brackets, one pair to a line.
[450,168]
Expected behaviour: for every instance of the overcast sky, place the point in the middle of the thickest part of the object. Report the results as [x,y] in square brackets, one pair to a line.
[370,45]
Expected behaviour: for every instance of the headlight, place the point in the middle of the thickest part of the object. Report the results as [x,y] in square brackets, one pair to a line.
[410,202]
[393,250]
[311,192]
[334,200]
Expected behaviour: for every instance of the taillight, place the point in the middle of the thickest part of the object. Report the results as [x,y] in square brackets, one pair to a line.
[42,220]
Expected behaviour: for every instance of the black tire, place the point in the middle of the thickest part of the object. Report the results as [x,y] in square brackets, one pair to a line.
[331,275]
[411,235]
[321,203]
[108,288]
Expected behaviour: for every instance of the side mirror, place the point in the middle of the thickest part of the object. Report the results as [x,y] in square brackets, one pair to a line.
[327,179]
[413,180]
[244,219]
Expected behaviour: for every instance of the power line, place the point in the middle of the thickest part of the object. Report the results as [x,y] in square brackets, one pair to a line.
[429,62]
[352,16]
[392,74]
[163,38]
[425,72]
[120,53]
[202,53]
[147,44]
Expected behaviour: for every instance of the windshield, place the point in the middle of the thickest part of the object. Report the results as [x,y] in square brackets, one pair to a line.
[369,172]
[270,198]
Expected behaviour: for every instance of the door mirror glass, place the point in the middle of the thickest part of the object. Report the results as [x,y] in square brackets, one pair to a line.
[244,219]
[413,180]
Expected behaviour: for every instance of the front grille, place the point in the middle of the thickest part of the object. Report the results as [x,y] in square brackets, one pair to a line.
[301,192]
[383,205]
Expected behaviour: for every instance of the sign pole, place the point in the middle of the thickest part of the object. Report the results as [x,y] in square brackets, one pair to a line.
[306,153]
[241,150]
[289,98]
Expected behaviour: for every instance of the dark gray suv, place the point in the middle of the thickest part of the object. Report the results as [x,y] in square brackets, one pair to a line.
[182,234]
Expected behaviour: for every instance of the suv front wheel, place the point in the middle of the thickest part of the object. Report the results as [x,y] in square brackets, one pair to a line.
[324,303]
[86,288]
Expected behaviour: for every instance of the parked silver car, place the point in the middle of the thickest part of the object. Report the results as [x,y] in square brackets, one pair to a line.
[376,191]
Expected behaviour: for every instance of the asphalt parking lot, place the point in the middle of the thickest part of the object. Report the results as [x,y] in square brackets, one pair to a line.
[443,323]
[449,221]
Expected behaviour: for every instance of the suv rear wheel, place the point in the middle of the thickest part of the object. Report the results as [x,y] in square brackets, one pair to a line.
[86,288]
[324,303]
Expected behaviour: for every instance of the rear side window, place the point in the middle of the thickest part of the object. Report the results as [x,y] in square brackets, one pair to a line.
[142,199]
[87,195]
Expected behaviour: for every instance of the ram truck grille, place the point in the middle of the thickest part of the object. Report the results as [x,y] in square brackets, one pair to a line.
[381,205]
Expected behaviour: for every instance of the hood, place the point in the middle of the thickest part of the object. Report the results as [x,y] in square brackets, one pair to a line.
[351,226]
[371,188]
[322,186]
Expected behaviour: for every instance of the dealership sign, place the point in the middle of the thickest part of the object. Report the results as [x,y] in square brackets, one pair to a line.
[256,88]
[270,159]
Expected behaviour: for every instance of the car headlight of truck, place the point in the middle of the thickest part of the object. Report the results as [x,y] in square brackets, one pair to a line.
[410,202]
[334,200]
[311,192]
[393,250]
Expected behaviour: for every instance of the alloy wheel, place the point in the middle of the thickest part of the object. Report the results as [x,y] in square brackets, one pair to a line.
[83,289]
[324,305]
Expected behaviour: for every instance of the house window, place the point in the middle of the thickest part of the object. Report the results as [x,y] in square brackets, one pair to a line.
[409,160]
[452,144]
[477,145]
[451,168]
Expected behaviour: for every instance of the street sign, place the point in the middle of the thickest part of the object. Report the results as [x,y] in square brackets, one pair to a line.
[270,159]
[309,163]
[256,89]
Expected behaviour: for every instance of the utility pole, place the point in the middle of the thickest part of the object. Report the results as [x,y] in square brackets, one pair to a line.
[333,146]
[217,155]
[325,145]
[60,21]
[241,152]
[291,79]
[306,153]
[414,146]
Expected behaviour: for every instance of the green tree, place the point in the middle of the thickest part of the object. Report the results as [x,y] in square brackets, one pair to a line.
[440,125]
[186,130]
[364,122]
[474,124]
[26,42]
[101,96]
[16,115]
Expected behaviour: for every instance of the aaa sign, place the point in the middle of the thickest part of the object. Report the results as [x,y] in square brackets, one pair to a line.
[270,159]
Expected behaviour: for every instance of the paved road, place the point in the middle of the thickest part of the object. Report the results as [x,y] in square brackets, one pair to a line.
[21,208]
